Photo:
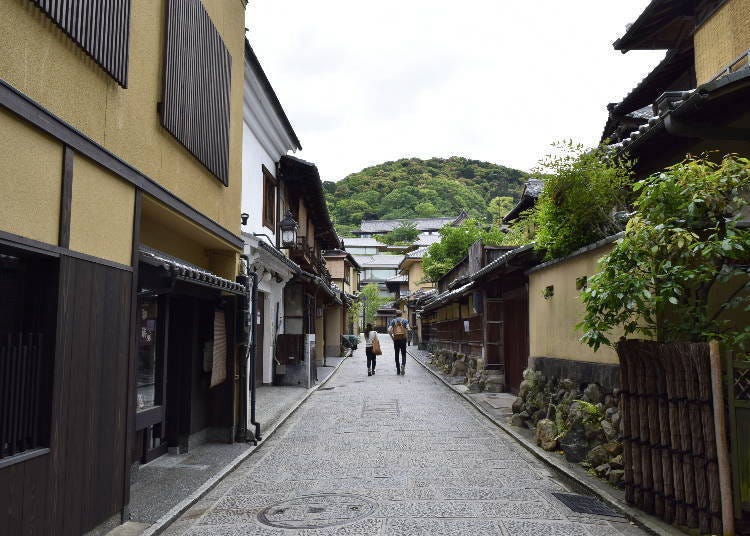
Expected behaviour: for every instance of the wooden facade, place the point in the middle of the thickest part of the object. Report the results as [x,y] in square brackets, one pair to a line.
[65,467]
[483,311]
[100,28]
[84,462]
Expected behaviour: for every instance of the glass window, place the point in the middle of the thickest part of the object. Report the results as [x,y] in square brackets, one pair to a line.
[146,376]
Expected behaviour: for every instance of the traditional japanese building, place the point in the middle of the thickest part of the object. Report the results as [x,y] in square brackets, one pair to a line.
[695,100]
[310,292]
[120,156]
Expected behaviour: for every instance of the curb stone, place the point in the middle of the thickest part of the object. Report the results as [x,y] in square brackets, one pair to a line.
[180,508]
[649,523]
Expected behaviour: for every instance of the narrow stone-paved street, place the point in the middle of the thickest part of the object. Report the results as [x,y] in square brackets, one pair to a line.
[390,455]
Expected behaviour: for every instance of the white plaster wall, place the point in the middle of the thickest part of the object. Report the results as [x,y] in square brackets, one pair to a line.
[254,157]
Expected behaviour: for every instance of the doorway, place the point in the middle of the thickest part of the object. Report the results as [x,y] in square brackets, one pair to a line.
[517,341]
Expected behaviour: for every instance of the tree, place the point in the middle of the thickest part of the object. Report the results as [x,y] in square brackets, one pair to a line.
[683,240]
[582,191]
[371,300]
[454,245]
[499,208]
[412,187]
[403,235]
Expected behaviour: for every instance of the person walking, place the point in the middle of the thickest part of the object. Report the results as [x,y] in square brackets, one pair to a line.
[398,329]
[371,338]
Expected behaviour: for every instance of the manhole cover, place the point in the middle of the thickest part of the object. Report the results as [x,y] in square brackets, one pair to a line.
[582,504]
[317,511]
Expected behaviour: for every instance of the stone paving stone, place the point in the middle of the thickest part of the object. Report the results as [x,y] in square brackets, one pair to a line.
[389,455]
[536,528]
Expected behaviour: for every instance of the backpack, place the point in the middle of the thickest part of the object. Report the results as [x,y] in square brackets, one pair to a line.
[399,331]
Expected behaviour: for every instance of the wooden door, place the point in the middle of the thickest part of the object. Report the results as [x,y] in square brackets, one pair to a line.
[516,337]
[493,333]
[260,337]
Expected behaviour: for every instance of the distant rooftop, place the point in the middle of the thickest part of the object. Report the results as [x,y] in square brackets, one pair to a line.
[422,224]
[361,242]
[378,261]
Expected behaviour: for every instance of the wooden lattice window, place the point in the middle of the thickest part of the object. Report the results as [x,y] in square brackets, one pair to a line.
[101,28]
[197,74]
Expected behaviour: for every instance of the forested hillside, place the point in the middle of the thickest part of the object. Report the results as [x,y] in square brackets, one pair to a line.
[414,188]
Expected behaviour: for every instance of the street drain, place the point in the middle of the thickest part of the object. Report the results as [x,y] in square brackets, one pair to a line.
[317,511]
[581,504]
[326,388]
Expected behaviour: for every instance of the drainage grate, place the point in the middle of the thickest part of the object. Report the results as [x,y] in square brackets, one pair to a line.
[326,389]
[582,504]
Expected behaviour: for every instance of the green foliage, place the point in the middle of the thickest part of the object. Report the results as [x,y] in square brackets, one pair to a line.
[454,245]
[582,190]
[411,188]
[402,235]
[683,239]
[371,300]
[499,208]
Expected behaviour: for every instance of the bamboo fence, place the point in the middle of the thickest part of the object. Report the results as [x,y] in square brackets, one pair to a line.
[669,446]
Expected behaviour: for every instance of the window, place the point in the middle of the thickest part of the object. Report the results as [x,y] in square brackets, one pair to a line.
[100,30]
[269,200]
[28,286]
[197,74]
[379,274]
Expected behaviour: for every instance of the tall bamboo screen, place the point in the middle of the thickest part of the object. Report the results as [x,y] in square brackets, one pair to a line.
[669,445]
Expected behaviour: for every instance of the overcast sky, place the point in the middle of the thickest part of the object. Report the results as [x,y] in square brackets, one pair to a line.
[365,82]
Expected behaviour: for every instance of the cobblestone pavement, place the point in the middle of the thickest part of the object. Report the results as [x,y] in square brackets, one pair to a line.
[390,455]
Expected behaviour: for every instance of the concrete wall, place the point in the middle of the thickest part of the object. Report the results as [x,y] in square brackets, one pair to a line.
[41,62]
[721,39]
[552,321]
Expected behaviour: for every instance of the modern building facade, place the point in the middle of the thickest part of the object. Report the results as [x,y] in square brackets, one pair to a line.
[119,250]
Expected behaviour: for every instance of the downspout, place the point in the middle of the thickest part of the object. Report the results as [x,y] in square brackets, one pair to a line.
[247,366]
[253,354]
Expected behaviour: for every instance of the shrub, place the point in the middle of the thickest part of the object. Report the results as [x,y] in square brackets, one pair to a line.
[582,191]
[683,239]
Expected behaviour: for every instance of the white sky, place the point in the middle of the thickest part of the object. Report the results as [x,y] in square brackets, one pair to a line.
[363,82]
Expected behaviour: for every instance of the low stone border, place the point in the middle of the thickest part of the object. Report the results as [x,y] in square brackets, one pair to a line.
[595,487]
[180,508]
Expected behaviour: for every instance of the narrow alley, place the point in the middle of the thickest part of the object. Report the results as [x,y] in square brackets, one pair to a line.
[391,455]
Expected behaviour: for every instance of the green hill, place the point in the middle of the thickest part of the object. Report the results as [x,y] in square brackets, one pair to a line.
[415,188]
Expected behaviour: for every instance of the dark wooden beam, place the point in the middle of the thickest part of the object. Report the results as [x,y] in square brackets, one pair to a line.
[66,197]
[19,104]
[130,420]
[57,251]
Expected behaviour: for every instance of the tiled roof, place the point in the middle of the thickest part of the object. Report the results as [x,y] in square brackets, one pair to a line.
[425,239]
[374,261]
[361,242]
[185,271]
[417,253]
[531,192]
[422,224]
